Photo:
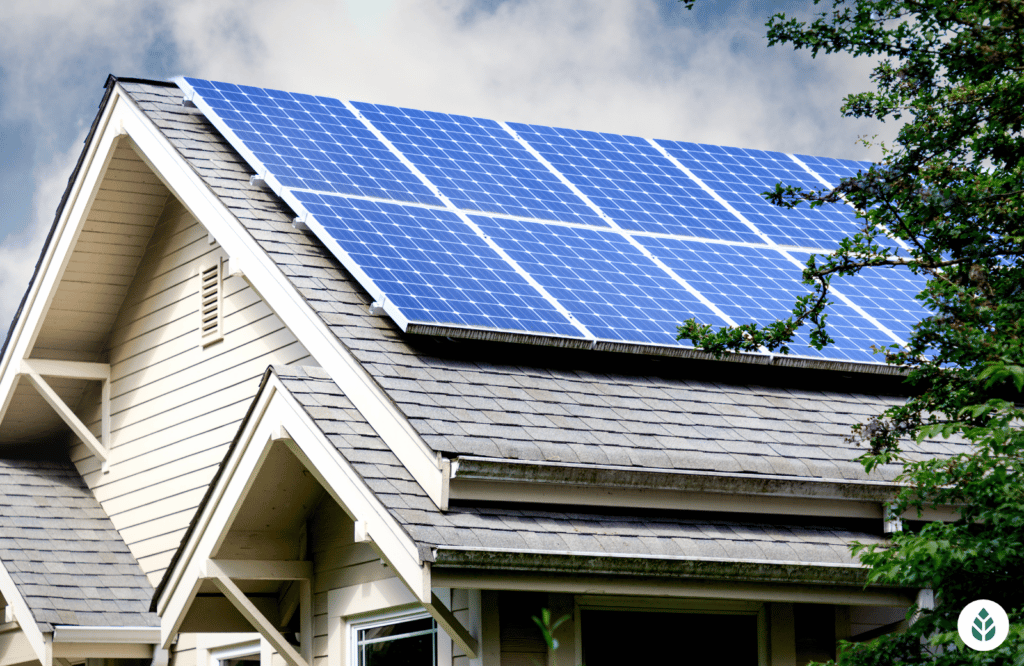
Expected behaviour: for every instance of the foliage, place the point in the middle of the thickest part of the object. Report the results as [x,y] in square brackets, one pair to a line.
[951,191]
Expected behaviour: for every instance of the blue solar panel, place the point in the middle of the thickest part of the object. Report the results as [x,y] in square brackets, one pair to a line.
[634,184]
[432,266]
[832,169]
[312,143]
[599,277]
[478,165]
[887,294]
[759,285]
[741,176]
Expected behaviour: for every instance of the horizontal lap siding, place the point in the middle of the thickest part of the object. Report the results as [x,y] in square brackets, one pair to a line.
[174,405]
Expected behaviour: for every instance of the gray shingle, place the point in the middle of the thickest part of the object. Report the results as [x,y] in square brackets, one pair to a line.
[65,558]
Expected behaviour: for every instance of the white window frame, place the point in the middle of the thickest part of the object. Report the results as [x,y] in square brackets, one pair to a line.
[664,605]
[214,647]
[381,620]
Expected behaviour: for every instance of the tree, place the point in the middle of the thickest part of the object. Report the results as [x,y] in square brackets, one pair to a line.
[952,189]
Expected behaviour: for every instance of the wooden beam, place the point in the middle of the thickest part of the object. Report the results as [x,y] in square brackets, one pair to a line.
[253,615]
[306,618]
[265,569]
[65,413]
[98,372]
[452,626]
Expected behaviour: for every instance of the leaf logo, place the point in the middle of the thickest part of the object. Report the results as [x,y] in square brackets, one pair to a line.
[983,625]
[984,628]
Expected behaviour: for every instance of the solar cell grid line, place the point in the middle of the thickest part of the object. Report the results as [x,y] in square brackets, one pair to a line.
[834,171]
[887,295]
[740,176]
[830,169]
[633,183]
[477,165]
[759,285]
[581,330]
[612,223]
[601,278]
[432,267]
[305,142]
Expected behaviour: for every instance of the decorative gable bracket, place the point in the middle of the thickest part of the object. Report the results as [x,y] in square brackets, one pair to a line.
[35,369]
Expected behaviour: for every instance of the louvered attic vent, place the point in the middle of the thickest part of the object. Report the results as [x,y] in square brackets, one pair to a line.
[212,296]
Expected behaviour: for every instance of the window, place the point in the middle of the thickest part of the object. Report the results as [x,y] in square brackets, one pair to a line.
[686,638]
[688,631]
[398,640]
[211,296]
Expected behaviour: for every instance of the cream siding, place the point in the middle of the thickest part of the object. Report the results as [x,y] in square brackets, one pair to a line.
[174,404]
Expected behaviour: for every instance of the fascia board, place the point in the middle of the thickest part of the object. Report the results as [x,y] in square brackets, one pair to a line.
[347,488]
[278,414]
[39,641]
[57,254]
[76,634]
[273,286]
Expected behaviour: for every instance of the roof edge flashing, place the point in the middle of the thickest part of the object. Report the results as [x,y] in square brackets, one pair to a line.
[498,470]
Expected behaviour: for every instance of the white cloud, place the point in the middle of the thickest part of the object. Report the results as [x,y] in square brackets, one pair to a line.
[19,254]
[611,65]
[608,65]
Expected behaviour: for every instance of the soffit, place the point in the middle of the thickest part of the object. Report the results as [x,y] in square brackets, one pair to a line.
[113,239]
[91,291]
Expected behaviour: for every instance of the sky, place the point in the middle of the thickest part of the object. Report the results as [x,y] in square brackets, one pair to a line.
[643,67]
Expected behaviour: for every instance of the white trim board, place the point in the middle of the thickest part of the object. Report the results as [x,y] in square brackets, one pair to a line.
[278,419]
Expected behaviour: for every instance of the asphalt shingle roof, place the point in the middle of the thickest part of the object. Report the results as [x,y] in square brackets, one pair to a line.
[578,412]
[581,534]
[62,551]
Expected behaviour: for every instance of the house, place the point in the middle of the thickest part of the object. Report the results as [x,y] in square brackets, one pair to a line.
[231,435]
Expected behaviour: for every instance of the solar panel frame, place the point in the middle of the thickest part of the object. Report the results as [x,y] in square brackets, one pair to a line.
[741,176]
[604,281]
[760,285]
[307,142]
[629,180]
[449,150]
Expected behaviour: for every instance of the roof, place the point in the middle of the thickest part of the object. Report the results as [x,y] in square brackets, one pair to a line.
[466,398]
[60,548]
[573,540]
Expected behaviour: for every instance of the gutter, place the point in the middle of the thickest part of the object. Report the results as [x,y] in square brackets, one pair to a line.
[656,566]
[127,635]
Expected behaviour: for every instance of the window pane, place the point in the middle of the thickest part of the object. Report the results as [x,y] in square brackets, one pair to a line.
[408,643]
[613,638]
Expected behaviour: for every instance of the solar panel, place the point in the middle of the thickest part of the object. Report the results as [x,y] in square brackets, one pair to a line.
[478,165]
[741,176]
[832,169]
[634,184]
[308,142]
[602,279]
[431,265]
[760,285]
[467,223]
[887,295]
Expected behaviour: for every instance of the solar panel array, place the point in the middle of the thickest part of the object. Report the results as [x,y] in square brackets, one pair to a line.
[453,222]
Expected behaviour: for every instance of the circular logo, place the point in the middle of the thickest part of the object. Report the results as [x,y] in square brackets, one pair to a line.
[983,625]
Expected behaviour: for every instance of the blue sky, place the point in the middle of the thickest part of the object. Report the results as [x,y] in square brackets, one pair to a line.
[644,67]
